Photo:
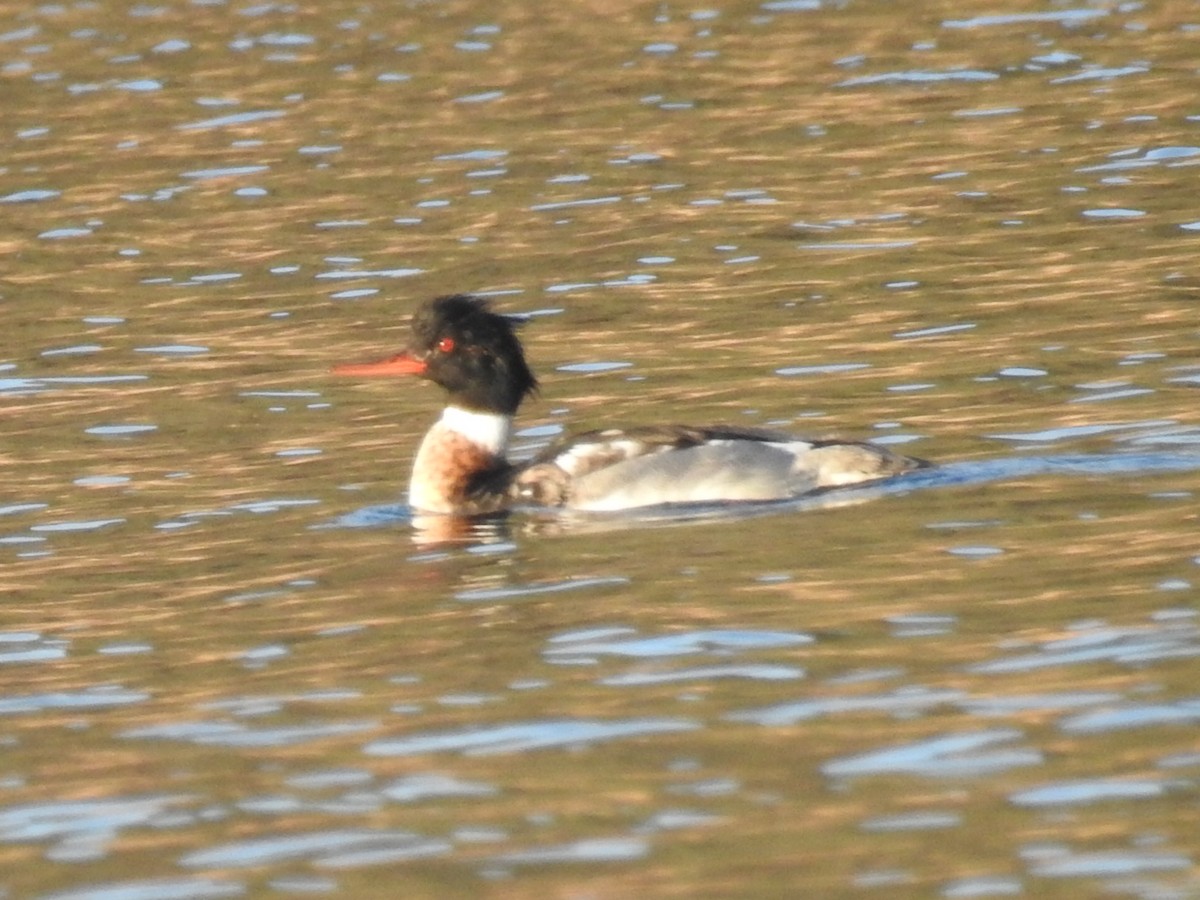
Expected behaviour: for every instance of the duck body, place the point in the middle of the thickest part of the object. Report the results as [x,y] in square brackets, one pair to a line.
[461,467]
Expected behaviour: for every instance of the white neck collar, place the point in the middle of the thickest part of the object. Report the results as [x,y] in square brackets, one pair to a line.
[488,430]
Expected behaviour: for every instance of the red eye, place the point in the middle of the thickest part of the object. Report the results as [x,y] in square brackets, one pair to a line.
[445,345]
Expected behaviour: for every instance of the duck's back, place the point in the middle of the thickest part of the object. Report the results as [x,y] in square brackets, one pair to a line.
[625,469]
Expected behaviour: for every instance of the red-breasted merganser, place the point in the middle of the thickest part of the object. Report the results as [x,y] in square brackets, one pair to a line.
[474,353]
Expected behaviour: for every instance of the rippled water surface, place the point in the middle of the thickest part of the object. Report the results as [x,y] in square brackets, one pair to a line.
[230,666]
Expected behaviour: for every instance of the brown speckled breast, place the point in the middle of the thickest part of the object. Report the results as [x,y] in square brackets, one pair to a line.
[452,474]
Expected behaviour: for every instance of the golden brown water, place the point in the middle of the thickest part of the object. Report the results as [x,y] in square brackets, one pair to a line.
[230,667]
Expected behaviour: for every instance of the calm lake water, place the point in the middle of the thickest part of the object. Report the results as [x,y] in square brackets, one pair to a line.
[231,667]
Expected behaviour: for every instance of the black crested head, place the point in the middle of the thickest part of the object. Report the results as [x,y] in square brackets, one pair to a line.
[473,353]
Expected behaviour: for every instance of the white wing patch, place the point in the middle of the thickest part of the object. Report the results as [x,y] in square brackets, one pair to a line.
[581,459]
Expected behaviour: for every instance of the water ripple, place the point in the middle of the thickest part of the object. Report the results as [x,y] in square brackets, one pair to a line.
[480,595]
[705,673]
[618,849]
[1093,865]
[1064,16]
[329,849]
[235,734]
[919,77]
[714,641]
[521,736]
[96,698]
[29,646]
[1182,712]
[155,889]
[1075,793]
[905,701]
[79,821]
[1131,645]
[951,755]
[242,118]
[414,788]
